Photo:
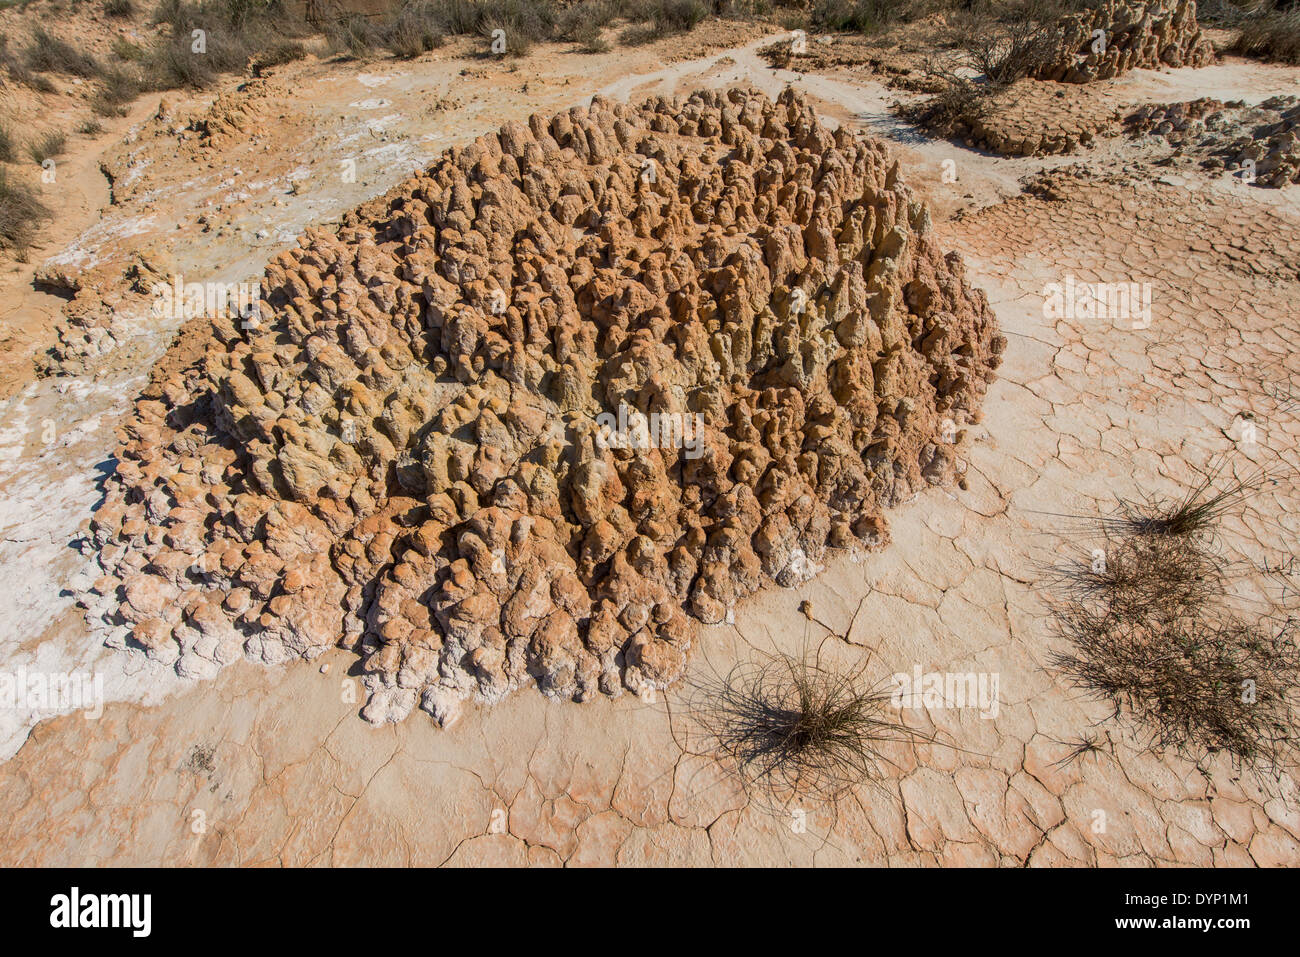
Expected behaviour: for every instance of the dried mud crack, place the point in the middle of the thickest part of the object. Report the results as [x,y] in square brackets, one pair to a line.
[411,452]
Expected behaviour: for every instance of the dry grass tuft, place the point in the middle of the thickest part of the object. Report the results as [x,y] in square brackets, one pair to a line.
[1149,629]
[1273,34]
[21,213]
[49,54]
[1195,514]
[793,727]
[1197,686]
[1139,573]
[48,145]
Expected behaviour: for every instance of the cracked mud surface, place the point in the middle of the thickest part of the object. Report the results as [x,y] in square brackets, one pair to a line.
[272,766]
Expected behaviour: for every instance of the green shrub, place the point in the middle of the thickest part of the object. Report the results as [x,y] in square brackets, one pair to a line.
[18,70]
[125,50]
[118,89]
[278,55]
[524,23]
[857,16]
[353,36]
[583,21]
[657,19]
[417,29]
[237,35]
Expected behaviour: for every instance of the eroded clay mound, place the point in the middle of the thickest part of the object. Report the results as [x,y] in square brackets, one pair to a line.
[404,455]
[1262,142]
[1036,118]
[1179,123]
[1149,35]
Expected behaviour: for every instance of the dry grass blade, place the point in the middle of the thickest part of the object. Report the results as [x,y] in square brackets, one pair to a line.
[1084,745]
[1195,513]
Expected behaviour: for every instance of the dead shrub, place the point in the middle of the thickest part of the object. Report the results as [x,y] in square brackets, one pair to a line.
[1149,628]
[20,215]
[1274,36]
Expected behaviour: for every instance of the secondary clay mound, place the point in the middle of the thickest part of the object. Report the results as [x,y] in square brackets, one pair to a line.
[1262,140]
[1037,118]
[236,114]
[105,318]
[1116,37]
[404,454]
[1178,123]
[1057,109]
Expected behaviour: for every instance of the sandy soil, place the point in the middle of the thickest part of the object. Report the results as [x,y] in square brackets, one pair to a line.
[273,766]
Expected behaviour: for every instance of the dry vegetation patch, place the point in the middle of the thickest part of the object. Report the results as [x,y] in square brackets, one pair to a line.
[1151,629]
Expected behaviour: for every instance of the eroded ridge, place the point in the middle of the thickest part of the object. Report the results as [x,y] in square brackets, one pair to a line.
[1115,37]
[1262,141]
[405,452]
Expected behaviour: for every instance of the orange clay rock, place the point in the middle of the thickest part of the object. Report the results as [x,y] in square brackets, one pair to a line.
[412,454]
[1138,35]
[236,114]
[1260,142]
